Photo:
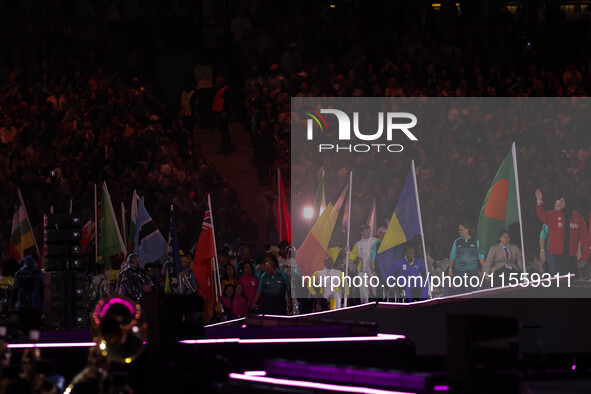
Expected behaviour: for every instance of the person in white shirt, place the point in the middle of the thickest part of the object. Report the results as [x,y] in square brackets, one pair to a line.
[362,250]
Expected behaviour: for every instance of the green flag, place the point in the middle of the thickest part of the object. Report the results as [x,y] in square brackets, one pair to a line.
[500,208]
[110,242]
[319,199]
[132,224]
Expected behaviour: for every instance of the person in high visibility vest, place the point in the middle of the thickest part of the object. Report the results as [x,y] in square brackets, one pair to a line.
[221,110]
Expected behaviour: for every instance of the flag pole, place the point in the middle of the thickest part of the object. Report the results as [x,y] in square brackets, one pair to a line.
[27,216]
[514,154]
[414,180]
[215,248]
[96,227]
[279,219]
[348,232]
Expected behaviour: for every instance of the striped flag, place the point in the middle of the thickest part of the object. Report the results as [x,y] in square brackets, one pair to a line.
[338,236]
[22,240]
[149,242]
[314,249]
[403,226]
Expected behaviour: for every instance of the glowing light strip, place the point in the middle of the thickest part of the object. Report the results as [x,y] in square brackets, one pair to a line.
[312,385]
[255,373]
[319,313]
[379,337]
[224,322]
[49,345]
[441,388]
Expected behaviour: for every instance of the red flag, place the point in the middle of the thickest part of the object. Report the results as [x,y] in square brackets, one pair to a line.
[283,219]
[204,254]
[87,235]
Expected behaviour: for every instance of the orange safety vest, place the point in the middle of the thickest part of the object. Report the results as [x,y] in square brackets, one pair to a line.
[218,101]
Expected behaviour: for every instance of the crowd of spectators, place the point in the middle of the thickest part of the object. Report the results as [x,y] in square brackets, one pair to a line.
[80,100]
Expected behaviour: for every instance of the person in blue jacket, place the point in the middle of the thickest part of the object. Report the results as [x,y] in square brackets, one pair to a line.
[413,269]
[465,260]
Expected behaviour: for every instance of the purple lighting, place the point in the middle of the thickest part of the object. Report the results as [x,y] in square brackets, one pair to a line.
[312,385]
[379,337]
[255,373]
[116,300]
[574,367]
[49,345]
[441,388]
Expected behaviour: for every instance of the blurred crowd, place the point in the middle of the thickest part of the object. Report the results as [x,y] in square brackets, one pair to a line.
[81,102]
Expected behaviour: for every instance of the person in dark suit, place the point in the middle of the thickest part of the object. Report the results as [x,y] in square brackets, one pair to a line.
[503,258]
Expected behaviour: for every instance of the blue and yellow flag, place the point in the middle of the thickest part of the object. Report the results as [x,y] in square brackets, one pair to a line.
[403,226]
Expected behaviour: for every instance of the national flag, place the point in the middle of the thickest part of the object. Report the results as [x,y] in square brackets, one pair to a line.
[149,242]
[403,226]
[336,238]
[174,254]
[310,256]
[110,242]
[22,240]
[320,199]
[202,264]
[283,219]
[372,221]
[123,225]
[132,223]
[88,232]
[500,208]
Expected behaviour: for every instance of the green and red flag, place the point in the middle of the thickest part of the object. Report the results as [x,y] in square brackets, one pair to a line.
[501,205]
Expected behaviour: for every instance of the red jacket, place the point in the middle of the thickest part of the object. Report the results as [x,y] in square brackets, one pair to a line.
[577,233]
[555,221]
[587,244]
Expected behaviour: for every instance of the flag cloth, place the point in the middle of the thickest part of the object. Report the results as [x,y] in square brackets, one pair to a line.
[319,199]
[149,242]
[338,237]
[283,219]
[174,254]
[22,240]
[202,265]
[499,210]
[123,225]
[310,256]
[132,223]
[110,242]
[371,220]
[167,288]
[88,232]
[403,226]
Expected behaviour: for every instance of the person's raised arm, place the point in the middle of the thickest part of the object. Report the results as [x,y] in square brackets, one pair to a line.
[543,215]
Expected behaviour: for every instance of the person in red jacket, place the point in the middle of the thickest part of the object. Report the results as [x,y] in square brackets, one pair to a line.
[564,248]
[578,238]
[555,220]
